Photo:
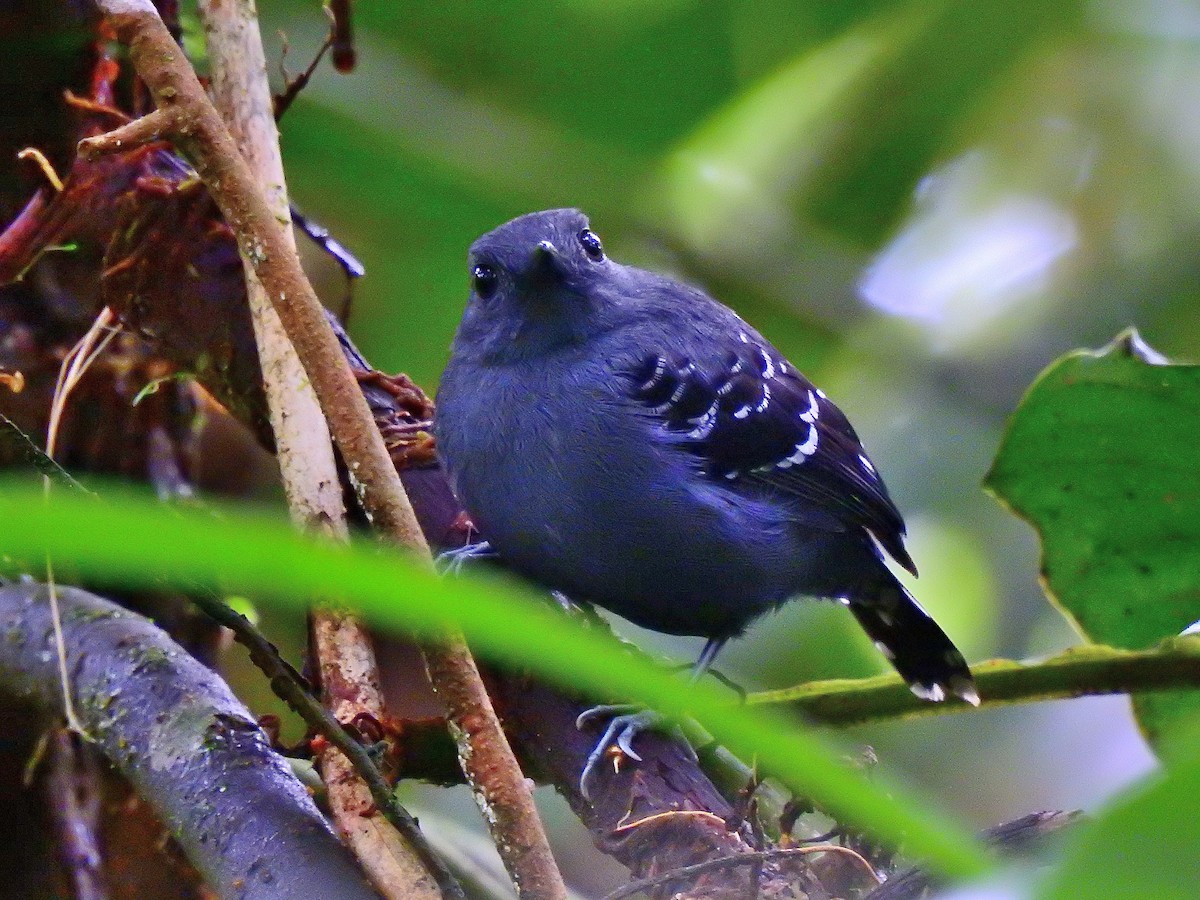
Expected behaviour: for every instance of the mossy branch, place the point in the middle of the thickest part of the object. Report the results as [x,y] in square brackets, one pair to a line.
[174,729]
[1088,670]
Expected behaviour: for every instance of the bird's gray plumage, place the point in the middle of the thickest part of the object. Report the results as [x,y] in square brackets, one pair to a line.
[626,439]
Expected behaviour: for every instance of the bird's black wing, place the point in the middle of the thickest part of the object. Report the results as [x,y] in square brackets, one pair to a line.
[749,416]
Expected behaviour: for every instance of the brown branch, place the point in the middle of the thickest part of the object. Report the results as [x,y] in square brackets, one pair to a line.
[396,859]
[74,792]
[154,126]
[350,688]
[290,687]
[691,873]
[196,129]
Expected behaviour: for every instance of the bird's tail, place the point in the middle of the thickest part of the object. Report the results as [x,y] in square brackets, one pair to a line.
[913,642]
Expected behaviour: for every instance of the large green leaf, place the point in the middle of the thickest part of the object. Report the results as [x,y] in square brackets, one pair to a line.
[139,543]
[1101,457]
[1143,847]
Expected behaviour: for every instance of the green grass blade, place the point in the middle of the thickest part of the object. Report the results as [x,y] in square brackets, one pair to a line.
[140,543]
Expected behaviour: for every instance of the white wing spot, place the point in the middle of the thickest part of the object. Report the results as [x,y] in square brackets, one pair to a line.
[704,423]
[866,463]
[683,374]
[885,650]
[741,412]
[810,415]
[707,414]
[766,399]
[768,364]
[660,368]
[821,394]
[804,450]
[745,338]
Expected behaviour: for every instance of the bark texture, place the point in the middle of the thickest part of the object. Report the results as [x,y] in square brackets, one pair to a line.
[174,729]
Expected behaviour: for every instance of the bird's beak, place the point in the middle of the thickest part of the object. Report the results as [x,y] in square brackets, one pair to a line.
[546,261]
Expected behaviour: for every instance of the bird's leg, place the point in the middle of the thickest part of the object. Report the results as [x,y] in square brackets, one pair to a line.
[451,562]
[627,721]
[707,656]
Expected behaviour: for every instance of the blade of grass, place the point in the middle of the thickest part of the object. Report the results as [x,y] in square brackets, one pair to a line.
[135,541]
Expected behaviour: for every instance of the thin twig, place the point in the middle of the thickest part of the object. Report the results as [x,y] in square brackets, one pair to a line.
[74,365]
[24,445]
[199,133]
[74,798]
[1087,670]
[282,101]
[38,158]
[291,687]
[754,857]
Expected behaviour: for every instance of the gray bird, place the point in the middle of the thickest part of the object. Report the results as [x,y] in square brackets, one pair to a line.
[626,439]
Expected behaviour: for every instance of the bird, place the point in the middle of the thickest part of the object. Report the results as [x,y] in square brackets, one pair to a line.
[627,440]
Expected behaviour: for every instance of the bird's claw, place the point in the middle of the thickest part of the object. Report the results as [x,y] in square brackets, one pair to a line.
[626,722]
[451,562]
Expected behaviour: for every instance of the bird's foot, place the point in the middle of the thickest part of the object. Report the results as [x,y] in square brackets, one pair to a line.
[625,723]
[451,562]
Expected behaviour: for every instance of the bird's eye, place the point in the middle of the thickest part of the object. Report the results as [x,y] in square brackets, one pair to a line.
[591,244]
[484,281]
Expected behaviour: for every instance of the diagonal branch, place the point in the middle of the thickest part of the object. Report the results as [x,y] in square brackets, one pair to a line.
[288,684]
[397,860]
[196,129]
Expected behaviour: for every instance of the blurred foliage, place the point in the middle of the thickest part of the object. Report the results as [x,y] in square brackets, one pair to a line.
[1145,847]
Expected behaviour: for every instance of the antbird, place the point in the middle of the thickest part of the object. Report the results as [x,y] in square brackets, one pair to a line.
[628,440]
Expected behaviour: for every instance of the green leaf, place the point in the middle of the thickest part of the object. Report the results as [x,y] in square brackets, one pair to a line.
[140,543]
[771,143]
[1100,458]
[844,130]
[1143,847]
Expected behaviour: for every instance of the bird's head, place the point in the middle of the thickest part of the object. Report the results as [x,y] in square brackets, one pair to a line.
[537,283]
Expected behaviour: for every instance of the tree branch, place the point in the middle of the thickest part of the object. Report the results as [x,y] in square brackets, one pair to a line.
[398,862]
[1014,838]
[193,751]
[74,795]
[1078,672]
[289,686]
[196,129]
